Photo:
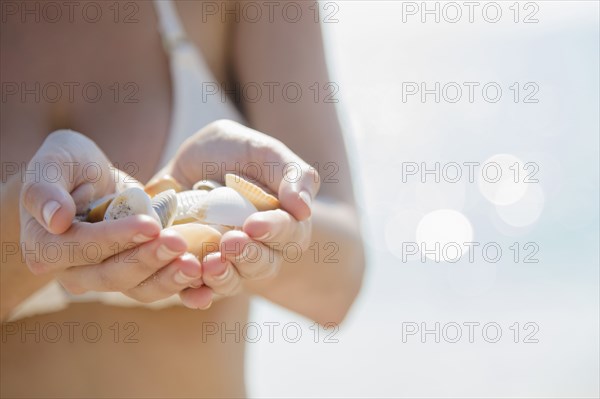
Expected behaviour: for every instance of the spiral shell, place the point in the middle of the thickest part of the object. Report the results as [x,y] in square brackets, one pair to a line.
[256,195]
[165,206]
[225,207]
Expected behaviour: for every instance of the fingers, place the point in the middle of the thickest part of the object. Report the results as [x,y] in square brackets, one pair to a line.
[278,227]
[82,196]
[178,275]
[252,260]
[295,182]
[84,243]
[200,240]
[298,189]
[221,275]
[273,164]
[126,269]
[255,252]
[50,204]
[65,161]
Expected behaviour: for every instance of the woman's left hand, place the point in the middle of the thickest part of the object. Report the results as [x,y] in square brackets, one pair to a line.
[267,238]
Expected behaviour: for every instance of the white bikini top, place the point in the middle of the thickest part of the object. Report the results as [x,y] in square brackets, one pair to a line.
[191,111]
[190,75]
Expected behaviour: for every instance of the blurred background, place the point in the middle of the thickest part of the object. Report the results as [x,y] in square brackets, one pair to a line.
[541,292]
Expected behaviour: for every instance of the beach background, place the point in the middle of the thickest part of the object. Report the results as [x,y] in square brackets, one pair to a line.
[373,52]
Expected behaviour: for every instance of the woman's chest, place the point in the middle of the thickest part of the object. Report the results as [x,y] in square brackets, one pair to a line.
[108,80]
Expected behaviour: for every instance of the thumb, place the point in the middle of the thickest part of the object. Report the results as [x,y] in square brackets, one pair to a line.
[49,203]
[298,189]
[51,175]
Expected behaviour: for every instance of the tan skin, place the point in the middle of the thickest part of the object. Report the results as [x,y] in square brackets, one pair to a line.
[170,359]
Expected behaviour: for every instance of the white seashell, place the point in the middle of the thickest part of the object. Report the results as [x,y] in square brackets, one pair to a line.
[186,201]
[224,206]
[132,201]
[262,200]
[206,185]
[165,206]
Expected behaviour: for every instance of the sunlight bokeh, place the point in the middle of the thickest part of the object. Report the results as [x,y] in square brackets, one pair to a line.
[547,231]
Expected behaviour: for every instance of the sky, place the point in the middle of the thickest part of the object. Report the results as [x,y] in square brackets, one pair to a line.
[516,310]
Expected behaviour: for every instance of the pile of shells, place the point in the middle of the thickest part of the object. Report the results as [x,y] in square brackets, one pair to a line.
[208,202]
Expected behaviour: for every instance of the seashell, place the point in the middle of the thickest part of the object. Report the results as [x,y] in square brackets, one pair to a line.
[133,201]
[165,206]
[256,195]
[98,208]
[167,182]
[224,206]
[186,201]
[200,238]
[206,185]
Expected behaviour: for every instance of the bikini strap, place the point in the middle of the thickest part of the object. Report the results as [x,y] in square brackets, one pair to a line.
[170,26]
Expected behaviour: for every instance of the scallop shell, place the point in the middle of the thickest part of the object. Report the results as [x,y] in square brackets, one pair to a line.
[165,183]
[206,185]
[133,201]
[256,195]
[224,206]
[165,206]
[186,201]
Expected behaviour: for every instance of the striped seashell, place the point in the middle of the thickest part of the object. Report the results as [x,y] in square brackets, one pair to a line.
[165,206]
[256,195]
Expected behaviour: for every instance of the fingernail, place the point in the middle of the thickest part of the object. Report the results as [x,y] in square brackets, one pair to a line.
[140,238]
[207,306]
[164,253]
[305,196]
[181,278]
[49,210]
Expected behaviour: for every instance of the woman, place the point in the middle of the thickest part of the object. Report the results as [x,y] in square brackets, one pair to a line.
[151,104]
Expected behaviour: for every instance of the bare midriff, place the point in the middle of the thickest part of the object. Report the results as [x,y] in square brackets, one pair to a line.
[142,352]
[95,350]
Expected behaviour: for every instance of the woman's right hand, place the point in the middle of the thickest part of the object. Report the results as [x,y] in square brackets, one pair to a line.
[131,255]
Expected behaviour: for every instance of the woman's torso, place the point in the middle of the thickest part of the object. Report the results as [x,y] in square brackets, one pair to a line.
[127,61]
